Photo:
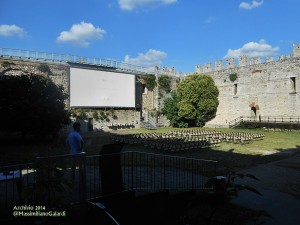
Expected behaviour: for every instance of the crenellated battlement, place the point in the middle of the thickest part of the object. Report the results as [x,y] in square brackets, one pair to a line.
[244,60]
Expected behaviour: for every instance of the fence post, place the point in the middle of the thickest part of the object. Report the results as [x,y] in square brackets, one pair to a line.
[164,172]
[111,169]
[193,174]
[20,185]
[82,184]
[82,178]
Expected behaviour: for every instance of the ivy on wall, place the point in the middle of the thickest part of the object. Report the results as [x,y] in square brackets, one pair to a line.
[79,113]
[232,76]
[44,68]
[150,82]
[6,64]
[96,114]
[164,82]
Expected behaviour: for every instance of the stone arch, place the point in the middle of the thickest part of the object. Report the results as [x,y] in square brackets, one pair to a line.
[254,109]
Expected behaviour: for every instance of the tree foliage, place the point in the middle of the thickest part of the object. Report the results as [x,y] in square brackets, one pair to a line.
[32,104]
[171,111]
[193,103]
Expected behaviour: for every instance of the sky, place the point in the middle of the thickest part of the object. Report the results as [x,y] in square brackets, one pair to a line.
[171,33]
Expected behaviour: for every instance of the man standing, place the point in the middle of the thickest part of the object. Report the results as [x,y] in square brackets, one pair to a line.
[74,140]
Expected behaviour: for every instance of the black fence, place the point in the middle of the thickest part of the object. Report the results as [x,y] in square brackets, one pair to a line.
[267,122]
[57,180]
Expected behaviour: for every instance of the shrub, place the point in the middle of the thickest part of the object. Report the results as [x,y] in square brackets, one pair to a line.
[233,76]
[164,82]
[150,82]
[43,67]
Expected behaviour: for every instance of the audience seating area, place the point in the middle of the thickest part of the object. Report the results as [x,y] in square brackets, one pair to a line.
[184,140]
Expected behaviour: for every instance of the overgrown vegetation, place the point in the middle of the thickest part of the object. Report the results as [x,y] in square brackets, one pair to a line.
[150,82]
[6,64]
[164,82]
[98,115]
[232,77]
[43,67]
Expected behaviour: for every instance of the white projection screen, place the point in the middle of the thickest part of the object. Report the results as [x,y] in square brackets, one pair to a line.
[94,88]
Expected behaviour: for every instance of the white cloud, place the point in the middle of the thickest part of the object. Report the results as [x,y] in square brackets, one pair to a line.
[11,30]
[149,59]
[81,34]
[133,4]
[248,6]
[253,49]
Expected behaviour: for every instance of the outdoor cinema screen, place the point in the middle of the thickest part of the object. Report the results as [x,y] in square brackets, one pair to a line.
[94,88]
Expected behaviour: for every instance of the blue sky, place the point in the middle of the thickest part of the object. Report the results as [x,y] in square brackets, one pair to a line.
[179,33]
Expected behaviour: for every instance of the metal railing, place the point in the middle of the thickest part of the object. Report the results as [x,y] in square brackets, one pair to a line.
[66,58]
[13,180]
[78,178]
[235,122]
[273,121]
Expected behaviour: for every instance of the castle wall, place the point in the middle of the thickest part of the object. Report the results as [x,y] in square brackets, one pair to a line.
[271,87]
[60,75]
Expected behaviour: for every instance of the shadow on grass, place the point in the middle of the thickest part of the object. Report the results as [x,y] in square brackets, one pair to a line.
[228,160]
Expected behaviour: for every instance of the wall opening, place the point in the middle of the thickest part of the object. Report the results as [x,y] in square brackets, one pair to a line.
[235,89]
[144,89]
[253,111]
[292,84]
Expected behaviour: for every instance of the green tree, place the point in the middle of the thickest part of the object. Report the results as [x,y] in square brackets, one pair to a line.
[170,110]
[32,104]
[193,103]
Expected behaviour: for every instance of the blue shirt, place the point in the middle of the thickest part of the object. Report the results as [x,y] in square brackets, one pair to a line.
[75,142]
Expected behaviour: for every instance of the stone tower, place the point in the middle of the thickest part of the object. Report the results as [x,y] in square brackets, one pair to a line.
[296,50]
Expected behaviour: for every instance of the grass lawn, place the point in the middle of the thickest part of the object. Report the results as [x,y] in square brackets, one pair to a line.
[276,145]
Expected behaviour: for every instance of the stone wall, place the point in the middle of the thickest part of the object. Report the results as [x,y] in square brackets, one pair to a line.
[270,86]
[266,89]
[60,74]
[124,119]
